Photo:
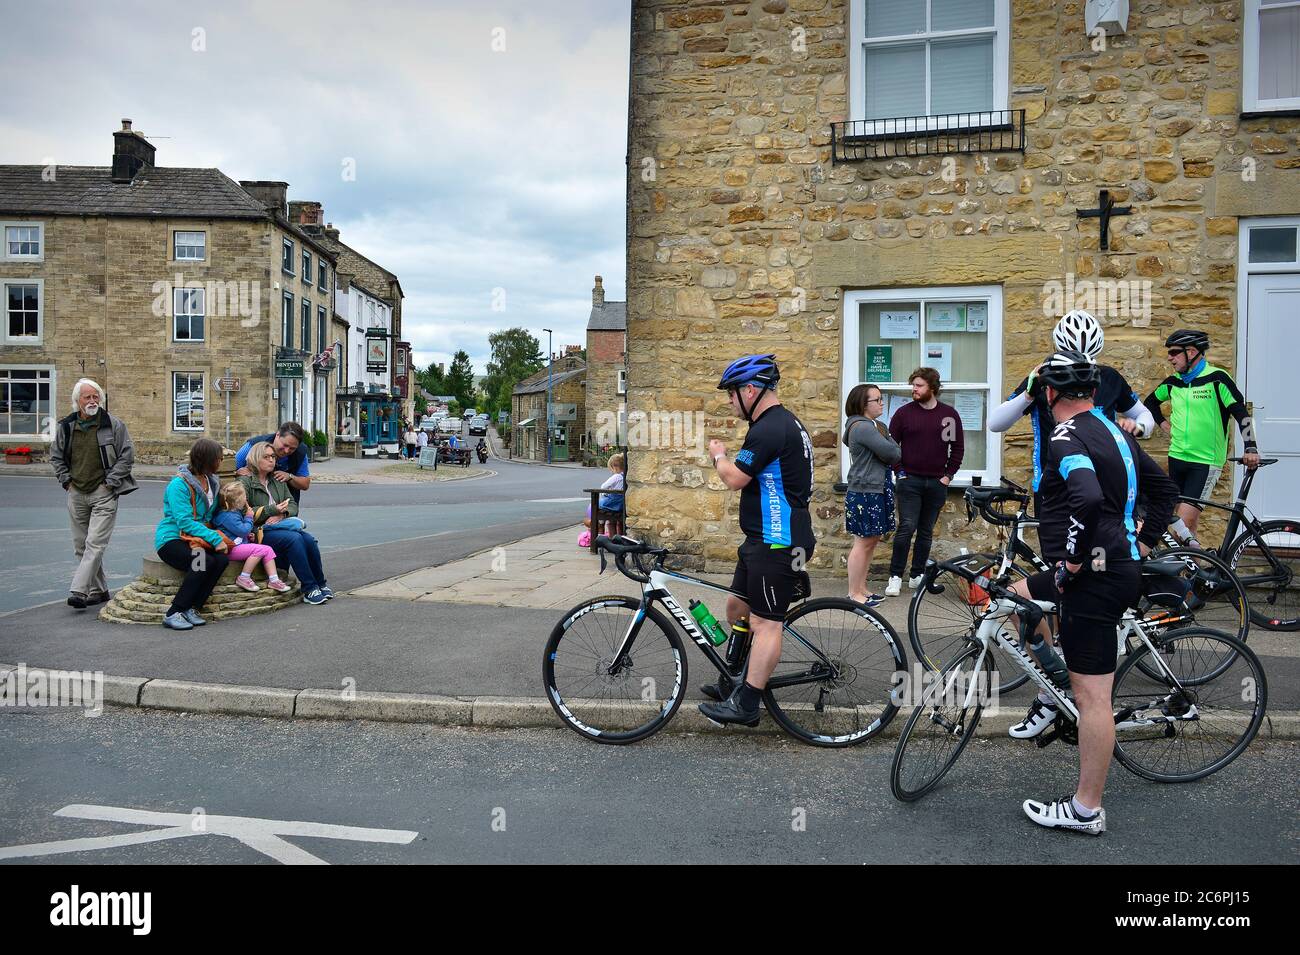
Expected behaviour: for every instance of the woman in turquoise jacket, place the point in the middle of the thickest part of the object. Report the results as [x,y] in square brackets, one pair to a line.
[189,503]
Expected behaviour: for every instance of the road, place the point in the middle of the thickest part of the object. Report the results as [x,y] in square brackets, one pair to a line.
[548,796]
[36,559]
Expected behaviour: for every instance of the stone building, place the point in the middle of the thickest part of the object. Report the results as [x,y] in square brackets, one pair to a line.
[568,381]
[865,187]
[156,282]
[606,393]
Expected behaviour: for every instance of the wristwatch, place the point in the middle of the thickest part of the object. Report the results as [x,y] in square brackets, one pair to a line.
[717,458]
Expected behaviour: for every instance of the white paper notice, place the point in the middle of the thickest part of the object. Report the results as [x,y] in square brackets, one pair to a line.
[900,324]
[977,317]
[970,408]
[892,403]
[938,355]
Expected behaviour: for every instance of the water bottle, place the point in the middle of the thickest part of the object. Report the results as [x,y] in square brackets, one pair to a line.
[1052,664]
[708,623]
[738,648]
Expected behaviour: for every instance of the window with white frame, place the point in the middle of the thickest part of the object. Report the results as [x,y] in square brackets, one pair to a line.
[307,272]
[936,63]
[24,305]
[957,330]
[1270,76]
[622,381]
[189,246]
[286,257]
[26,407]
[322,331]
[189,310]
[23,241]
[187,401]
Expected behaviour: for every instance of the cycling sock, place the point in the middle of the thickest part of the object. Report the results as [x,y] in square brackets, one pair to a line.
[1080,809]
[1181,530]
[1046,700]
[749,697]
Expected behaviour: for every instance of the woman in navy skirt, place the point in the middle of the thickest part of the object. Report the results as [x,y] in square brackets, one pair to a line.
[869,503]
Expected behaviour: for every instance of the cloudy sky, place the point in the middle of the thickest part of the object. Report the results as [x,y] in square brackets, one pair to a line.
[476,168]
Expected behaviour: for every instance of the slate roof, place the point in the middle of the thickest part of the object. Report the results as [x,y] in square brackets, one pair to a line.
[611,318]
[527,387]
[161,191]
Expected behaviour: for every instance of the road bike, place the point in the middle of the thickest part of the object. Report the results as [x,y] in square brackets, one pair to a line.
[1191,588]
[1190,719]
[1264,556]
[615,669]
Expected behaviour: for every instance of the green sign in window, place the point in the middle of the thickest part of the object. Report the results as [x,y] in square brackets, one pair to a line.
[880,363]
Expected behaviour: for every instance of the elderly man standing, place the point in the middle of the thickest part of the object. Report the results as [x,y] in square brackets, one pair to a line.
[92,459]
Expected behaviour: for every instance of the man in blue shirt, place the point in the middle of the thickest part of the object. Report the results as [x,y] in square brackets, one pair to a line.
[290,457]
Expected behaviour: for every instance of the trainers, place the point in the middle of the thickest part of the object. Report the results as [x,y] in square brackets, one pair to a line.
[1040,716]
[193,617]
[729,711]
[177,621]
[894,587]
[870,600]
[279,586]
[329,594]
[245,582]
[718,691]
[1061,814]
[915,582]
[315,597]
[77,600]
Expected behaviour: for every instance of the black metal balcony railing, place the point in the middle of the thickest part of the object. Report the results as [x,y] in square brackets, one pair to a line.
[986,131]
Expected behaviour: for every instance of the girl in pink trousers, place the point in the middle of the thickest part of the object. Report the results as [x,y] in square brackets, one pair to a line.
[236,520]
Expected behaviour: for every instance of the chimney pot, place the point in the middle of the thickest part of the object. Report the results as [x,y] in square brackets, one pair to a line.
[598,294]
[126,125]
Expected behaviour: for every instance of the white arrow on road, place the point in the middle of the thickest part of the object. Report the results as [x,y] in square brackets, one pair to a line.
[261,835]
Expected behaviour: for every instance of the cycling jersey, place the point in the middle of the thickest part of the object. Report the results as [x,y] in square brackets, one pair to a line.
[1114,396]
[1201,402]
[778,455]
[1092,475]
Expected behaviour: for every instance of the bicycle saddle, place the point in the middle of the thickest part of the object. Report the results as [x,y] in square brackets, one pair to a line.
[1169,567]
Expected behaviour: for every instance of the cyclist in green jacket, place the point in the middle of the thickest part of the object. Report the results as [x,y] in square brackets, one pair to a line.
[1201,398]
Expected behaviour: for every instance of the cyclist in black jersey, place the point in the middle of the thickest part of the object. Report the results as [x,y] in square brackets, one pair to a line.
[1092,475]
[774,473]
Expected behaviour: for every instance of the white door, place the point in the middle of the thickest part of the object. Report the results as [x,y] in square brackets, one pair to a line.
[1268,381]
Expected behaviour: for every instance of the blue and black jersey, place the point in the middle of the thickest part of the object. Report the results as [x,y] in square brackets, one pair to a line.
[778,455]
[1092,475]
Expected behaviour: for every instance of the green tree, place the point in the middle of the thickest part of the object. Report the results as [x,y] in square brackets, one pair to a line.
[460,379]
[431,379]
[516,354]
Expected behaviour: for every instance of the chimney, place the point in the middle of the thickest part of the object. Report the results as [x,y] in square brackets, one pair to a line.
[131,153]
[273,195]
[306,213]
[331,232]
[598,294]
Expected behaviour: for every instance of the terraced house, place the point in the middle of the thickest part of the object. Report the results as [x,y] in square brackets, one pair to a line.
[160,283]
[867,186]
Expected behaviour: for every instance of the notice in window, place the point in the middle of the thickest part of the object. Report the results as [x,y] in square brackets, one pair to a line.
[977,317]
[946,318]
[893,402]
[970,408]
[938,355]
[900,324]
[880,363]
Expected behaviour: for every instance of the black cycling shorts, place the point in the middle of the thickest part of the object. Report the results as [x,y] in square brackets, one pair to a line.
[1090,611]
[1193,479]
[767,579]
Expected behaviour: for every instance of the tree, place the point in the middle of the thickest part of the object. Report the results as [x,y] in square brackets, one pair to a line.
[460,379]
[516,354]
[431,379]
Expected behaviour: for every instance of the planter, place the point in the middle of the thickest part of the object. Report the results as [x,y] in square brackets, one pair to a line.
[17,458]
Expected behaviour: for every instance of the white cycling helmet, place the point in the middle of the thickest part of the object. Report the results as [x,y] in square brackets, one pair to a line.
[1079,331]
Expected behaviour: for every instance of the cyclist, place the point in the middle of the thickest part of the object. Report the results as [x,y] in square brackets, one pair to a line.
[773,471]
[1202,398]
[1093,473]
[1076,331]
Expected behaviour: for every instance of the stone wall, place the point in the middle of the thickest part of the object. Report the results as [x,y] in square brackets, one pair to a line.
[743,236]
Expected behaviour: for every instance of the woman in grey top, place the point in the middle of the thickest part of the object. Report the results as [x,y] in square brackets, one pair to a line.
[869,503]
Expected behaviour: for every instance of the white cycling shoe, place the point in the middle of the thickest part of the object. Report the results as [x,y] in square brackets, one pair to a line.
[1040,716]
[1061,814]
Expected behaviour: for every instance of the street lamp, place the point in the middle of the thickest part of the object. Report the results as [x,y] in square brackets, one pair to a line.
[550,372]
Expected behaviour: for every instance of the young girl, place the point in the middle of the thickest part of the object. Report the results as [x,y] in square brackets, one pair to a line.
[236,519]
[608,502]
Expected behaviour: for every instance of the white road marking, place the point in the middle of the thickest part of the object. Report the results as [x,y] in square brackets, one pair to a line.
[556,500]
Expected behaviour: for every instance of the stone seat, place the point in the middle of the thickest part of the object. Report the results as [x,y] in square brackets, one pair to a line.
[146,599]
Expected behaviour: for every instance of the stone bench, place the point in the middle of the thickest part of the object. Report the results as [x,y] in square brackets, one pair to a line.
[147,598]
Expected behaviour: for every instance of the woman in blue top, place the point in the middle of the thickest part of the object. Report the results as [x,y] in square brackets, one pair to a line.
[189,503]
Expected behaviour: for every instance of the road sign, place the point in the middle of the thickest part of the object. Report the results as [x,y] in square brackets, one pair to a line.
[227,384]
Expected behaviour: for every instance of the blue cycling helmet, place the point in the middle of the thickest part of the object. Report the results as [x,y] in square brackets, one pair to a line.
[758,370]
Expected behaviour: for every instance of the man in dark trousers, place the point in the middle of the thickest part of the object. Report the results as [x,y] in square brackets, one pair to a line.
[930,436]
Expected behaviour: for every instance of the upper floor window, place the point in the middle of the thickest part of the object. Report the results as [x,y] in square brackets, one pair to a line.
[188,313]
[286,320]
[24,307]
[306,325]
[286,257]
[934,63]
[189,246]
[1270,74]
[23,240]
[306,267]
[322,331]
[321,268]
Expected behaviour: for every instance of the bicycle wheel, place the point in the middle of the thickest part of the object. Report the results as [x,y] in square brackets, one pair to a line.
[845,657]
[944,616]
[1215,597]
[1195,729]
[620,707]
[1269,576]
[939,729]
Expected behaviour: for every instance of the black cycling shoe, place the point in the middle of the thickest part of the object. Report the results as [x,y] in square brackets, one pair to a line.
[730,711]
[718,691]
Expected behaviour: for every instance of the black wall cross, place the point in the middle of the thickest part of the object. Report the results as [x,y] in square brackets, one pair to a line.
[1105,209]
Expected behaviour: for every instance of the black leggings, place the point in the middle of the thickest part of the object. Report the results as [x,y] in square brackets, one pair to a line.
[197,585]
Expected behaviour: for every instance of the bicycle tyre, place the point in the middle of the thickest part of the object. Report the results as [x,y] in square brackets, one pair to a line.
[1140,751]
[940,624]
[1263,609]
[846,711]
[924,718]
[1225,608]
[590,646]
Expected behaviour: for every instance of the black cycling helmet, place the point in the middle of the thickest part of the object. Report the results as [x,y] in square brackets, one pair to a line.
[1070,374]
[757,370]
[1186,338]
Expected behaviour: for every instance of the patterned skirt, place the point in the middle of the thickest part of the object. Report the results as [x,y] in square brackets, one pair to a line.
[869,515]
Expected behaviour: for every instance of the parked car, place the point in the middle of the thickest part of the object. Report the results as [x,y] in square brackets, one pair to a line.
[450,425]
[471,413]
[479,425]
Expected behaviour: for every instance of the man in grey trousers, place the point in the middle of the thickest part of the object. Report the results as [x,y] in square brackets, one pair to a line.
[92,459]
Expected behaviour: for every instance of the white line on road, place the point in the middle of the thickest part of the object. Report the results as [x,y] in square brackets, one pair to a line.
[556,500]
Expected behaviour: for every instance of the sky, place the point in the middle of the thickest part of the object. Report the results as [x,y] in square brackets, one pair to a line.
[487,138]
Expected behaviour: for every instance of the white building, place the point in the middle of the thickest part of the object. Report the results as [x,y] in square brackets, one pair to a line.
[370,334]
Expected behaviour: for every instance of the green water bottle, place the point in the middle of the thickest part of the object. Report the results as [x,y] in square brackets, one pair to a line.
[708,623]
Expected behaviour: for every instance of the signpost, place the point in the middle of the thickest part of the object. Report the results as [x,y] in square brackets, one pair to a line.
[289,367]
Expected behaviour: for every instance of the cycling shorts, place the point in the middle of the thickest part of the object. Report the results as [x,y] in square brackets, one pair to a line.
[1193,479]
[766,577]
[1089,613]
